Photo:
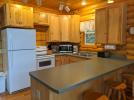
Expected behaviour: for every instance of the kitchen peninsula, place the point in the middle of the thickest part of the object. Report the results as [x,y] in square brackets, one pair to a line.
[68,82]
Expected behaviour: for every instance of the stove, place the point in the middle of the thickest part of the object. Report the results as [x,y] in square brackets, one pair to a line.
[41,51]
[43,60]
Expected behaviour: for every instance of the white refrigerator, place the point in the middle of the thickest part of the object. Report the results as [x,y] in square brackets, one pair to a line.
[19,57]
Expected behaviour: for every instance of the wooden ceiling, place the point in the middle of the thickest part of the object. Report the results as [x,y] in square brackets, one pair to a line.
[54,4]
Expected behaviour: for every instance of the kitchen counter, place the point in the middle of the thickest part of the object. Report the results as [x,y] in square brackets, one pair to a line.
[70,76]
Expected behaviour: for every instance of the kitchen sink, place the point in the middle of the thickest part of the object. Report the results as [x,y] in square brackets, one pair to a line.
[85,54]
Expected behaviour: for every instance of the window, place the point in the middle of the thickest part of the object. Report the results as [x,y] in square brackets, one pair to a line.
[89,37]
[88,27]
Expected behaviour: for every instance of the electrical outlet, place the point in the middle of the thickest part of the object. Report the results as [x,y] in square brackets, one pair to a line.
[110,47]
[131,30]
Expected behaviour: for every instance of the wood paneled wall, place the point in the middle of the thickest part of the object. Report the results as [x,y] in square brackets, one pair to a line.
[130,38]
[128,48]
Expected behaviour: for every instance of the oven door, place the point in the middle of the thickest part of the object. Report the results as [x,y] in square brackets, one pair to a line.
[45,63]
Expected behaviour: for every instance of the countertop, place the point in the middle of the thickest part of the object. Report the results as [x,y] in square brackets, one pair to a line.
[70,76]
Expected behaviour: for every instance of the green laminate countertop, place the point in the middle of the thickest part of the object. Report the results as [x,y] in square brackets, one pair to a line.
[67,77]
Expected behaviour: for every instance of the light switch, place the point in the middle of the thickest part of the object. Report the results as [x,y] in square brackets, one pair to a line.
[110,47]
[131,30]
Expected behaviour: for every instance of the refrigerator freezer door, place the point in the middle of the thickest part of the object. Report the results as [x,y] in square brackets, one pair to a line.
[19,39]
[20,63]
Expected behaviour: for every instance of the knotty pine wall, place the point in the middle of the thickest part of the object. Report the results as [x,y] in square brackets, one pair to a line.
[128,48]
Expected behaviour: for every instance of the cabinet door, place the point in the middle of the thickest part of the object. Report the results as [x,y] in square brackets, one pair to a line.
[14,15]
[65,27]
[54,32]
[58,61]
[101,22]
[41,18]
[27,17]
[116,24]
[75,29]
[65,59]
[19,16]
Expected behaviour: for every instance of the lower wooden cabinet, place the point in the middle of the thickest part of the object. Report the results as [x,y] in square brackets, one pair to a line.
[58,60]
[62,60]
[67,59]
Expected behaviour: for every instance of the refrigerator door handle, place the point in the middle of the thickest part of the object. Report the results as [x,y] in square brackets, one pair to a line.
[10,43]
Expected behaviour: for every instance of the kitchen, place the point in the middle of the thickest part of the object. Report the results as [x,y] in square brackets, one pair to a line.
[62,49]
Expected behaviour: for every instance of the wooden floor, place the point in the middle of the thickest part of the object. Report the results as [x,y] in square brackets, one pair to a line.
[23,95]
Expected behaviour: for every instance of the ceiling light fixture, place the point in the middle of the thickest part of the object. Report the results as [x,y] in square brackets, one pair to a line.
[61,6]
[39,2]
[67,9]
[83,2]
[110,1]
[64,6]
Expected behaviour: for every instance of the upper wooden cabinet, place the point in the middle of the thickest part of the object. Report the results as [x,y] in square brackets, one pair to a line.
[111,24]
[64,28]
[16,16]
[101,22]
[65,25]
[54,28]
[41,18]
[75,29]
[117,24]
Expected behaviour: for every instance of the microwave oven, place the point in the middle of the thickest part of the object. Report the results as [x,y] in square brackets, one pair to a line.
[65,48]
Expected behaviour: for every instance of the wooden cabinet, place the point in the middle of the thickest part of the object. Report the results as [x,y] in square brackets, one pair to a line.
[58,60]
[62,60]
[67,59]
[65,25]
[75,29]
[16,16]
[76,59]
[54,28]
[116,24]
[41,18]
[64,28]
[110,24]
[101,22]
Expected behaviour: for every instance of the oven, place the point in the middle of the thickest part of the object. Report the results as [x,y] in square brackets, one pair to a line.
[44,62]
